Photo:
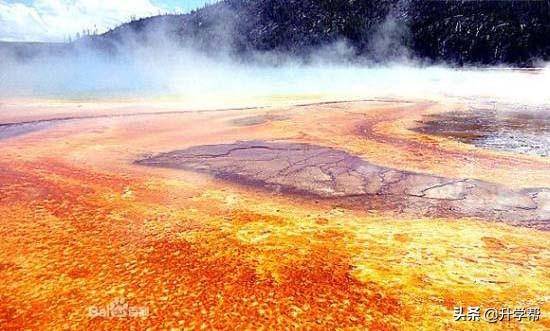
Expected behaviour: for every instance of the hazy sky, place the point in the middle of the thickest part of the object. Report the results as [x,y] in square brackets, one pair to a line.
[55,20]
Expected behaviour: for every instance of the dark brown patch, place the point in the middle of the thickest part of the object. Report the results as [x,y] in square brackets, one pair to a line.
[525,132]
[257,120]
[329,173]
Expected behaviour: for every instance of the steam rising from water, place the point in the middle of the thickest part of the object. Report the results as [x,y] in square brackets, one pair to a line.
[188,76]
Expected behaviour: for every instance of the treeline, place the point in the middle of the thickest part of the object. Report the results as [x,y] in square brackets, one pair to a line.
[454,32]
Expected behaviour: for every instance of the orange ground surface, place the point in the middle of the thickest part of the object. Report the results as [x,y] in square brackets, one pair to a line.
[81,226]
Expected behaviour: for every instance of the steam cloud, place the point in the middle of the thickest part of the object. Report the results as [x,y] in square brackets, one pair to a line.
[162,69]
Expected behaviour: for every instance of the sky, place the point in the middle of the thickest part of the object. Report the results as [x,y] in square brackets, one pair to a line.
[56,20]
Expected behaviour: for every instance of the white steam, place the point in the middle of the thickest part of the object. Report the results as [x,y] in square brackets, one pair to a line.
[184,74]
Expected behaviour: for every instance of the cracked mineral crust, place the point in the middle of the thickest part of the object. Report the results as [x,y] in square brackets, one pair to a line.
[330,173]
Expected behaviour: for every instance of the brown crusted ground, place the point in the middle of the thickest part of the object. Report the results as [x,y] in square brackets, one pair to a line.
[331,173]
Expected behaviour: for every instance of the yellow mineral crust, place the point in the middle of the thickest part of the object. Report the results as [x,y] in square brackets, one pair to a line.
[82,226]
